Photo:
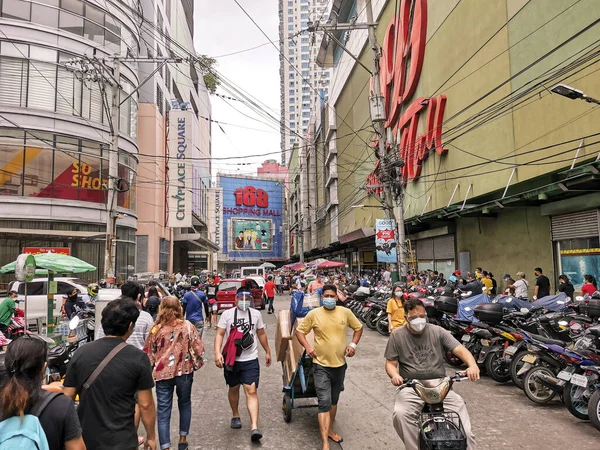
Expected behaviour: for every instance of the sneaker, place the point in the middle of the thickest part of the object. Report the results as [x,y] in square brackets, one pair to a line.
[236,423]
[256,435]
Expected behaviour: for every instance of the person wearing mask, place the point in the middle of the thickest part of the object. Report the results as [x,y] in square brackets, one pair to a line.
[329,324]
[565,286]
[316,284]
[152,302]
[589,285]
[520,286]
[7,311]
[301,283]
[175,349]
[508,281]
[211,294]
[192,306]
[487,283]
[473,285]
[107,402]
[416,352]
[72,303]
[25,362]
[279,283]
[245,370]
[542,284]
[269,293]
[395,309]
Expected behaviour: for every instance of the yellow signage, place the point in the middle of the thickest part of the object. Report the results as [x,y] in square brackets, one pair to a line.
[82,177]
[581,251]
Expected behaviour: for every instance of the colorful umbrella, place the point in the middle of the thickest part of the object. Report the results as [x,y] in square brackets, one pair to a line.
[56,262]
[330,265]
[295,266]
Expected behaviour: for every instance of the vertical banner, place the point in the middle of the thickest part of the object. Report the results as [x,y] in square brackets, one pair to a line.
[218,216]
[180,146]
[385,240]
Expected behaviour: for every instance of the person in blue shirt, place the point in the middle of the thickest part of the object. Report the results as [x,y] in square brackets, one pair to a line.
[192,305]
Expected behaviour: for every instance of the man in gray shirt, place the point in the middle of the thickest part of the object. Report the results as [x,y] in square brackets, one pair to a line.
[416,351]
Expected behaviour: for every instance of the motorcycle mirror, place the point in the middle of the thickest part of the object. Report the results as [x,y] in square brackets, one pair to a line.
[73,323]
[579,298]
[563,323]
[47,340]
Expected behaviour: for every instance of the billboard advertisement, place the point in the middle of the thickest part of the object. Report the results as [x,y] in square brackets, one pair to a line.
[180,151]
[251,218]
[577,263]
[385,240]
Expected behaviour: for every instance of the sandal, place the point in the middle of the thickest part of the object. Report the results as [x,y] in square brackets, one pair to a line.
[141,441]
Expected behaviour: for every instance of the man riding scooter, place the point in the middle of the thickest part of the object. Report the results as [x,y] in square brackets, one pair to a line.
[416,351]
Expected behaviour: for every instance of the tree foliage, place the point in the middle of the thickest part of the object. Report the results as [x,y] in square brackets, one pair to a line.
[207,69]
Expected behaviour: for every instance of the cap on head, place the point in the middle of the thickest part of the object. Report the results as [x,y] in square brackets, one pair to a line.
[506,276]
[457,273]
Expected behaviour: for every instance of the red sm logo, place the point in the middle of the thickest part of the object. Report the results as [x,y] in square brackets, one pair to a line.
[403,52]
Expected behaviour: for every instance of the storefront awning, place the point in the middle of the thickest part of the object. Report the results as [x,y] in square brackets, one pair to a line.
[195,239]
[49,234]
[360,233]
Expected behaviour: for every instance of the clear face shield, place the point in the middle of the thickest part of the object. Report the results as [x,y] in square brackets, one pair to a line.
[244,300]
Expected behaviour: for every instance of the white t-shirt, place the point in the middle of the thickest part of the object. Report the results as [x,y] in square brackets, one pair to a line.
[521,287]
[226,321]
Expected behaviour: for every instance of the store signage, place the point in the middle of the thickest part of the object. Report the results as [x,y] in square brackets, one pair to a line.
[385,240]
[218,217]
[25,267]
[41,250]
[403,52]
[253,201]
[180,169]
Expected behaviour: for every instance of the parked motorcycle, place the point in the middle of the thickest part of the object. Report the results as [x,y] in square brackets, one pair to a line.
[60,355]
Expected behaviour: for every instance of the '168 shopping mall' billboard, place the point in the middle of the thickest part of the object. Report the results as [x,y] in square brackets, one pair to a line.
[251,219]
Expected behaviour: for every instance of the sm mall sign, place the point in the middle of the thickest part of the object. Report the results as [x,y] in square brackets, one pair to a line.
[403,52]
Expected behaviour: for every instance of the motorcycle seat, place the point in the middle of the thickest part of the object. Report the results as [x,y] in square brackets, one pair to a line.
[546,340]
[463,322]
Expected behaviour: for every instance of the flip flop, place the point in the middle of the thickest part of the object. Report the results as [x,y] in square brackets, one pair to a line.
[337,442]
[256,435]
[141,441]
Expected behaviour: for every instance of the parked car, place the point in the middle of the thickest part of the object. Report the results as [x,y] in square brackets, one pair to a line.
[228,288]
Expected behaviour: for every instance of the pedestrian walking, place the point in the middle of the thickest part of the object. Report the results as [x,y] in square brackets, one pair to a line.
[211,308]
[508,282]
[542,284]
[520,286]
[175,350]
[192,306]
[329,324]
[269,293]
[565,286]
[242,326]
[488,285]
[395,309]
[25,362]
[279,283]
[152,302]
[108,374]
[316,284]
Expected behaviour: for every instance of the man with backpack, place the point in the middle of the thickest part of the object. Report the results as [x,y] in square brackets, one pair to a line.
[192,306]
[107,374]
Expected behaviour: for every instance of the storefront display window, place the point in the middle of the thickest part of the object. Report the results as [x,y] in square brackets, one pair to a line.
[11,162]
[579,257]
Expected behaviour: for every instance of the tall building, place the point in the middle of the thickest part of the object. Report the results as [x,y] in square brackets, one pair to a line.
[303,84]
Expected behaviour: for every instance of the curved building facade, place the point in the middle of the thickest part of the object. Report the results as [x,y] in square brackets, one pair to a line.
[55,131]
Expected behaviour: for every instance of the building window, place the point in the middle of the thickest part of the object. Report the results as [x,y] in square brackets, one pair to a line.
[164,253]
[292,108]
[305,65]
[306,98]
[290,27]
[292,100]
[291,92]
[16,9]
[159,99]
[290,19]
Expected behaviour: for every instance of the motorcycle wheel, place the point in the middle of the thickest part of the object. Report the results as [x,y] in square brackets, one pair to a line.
[515,365]
[575,402]
[534,389]
[382,326]
[454,361]
[594,409]
[495,368]
[371,320]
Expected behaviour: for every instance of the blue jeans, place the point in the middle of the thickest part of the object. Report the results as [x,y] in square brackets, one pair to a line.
[164,396]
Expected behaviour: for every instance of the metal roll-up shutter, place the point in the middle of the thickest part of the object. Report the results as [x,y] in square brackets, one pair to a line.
[575,225]
[443,247]
[425,249]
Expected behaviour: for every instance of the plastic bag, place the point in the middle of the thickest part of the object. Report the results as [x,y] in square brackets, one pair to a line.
[302,303]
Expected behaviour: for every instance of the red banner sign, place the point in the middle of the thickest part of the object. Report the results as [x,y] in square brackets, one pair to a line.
[41,250]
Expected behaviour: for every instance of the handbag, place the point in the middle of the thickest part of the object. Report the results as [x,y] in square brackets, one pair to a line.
[247,340]
[197,361]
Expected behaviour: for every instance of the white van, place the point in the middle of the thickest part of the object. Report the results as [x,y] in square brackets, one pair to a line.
[37,294]
[253,271]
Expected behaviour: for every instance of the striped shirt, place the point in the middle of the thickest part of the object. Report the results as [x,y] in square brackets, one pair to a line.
[141,330]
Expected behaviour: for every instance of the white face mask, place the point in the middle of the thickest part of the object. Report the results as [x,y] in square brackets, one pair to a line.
[244,304]
[418,324]
[398,294]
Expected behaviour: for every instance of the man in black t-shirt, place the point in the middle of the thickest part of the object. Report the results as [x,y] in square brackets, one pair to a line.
[542,284]
[106,409]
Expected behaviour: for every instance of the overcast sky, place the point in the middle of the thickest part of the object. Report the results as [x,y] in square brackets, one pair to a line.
[221,27]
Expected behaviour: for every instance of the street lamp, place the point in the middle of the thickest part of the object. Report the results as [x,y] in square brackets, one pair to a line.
[572,93]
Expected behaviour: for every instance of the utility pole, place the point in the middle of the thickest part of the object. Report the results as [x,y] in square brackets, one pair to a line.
[113,174]
[378,113]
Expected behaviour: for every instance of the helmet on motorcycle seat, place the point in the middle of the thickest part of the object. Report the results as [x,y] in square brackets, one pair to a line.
[93,290]
[102,283]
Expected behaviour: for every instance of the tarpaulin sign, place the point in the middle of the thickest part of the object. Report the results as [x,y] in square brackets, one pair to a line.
[385,240]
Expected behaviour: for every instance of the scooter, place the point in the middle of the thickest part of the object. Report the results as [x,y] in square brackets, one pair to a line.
[59,356]
[439,428]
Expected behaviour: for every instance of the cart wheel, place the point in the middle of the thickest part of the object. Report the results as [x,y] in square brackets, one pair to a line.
[287,408]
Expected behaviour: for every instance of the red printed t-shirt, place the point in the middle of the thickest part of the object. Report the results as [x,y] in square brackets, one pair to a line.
[270,289]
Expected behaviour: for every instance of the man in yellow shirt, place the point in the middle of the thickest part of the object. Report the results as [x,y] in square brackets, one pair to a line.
[487,283]
[329,324]
[395,310]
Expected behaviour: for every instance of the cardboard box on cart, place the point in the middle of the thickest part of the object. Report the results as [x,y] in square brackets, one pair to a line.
[295,351]
[283,334]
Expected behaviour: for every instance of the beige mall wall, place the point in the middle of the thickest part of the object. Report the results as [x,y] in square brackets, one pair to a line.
[518,239]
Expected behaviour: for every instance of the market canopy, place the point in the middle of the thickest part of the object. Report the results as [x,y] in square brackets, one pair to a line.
[268,265]
[56,262]
[295,266]
[330,265]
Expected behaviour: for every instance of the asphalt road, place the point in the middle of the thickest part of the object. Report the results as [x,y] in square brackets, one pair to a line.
[501,415]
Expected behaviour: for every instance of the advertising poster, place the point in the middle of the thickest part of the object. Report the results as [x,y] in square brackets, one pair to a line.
[385,240]
[180,147]
[577,263]
[251,235]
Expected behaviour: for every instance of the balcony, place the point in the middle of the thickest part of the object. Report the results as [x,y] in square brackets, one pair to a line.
[321,214]
[333,175]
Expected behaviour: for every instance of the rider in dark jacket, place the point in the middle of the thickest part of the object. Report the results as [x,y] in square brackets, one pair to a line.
[473,285]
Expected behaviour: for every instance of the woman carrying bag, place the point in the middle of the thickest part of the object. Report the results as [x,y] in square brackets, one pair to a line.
[175,350]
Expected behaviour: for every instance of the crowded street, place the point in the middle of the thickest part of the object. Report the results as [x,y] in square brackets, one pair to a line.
[501,414]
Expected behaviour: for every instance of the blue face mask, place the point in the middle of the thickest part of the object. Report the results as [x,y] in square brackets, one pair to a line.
[329,303]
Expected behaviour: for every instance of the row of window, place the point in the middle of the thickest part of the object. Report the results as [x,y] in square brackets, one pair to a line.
[77,17]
